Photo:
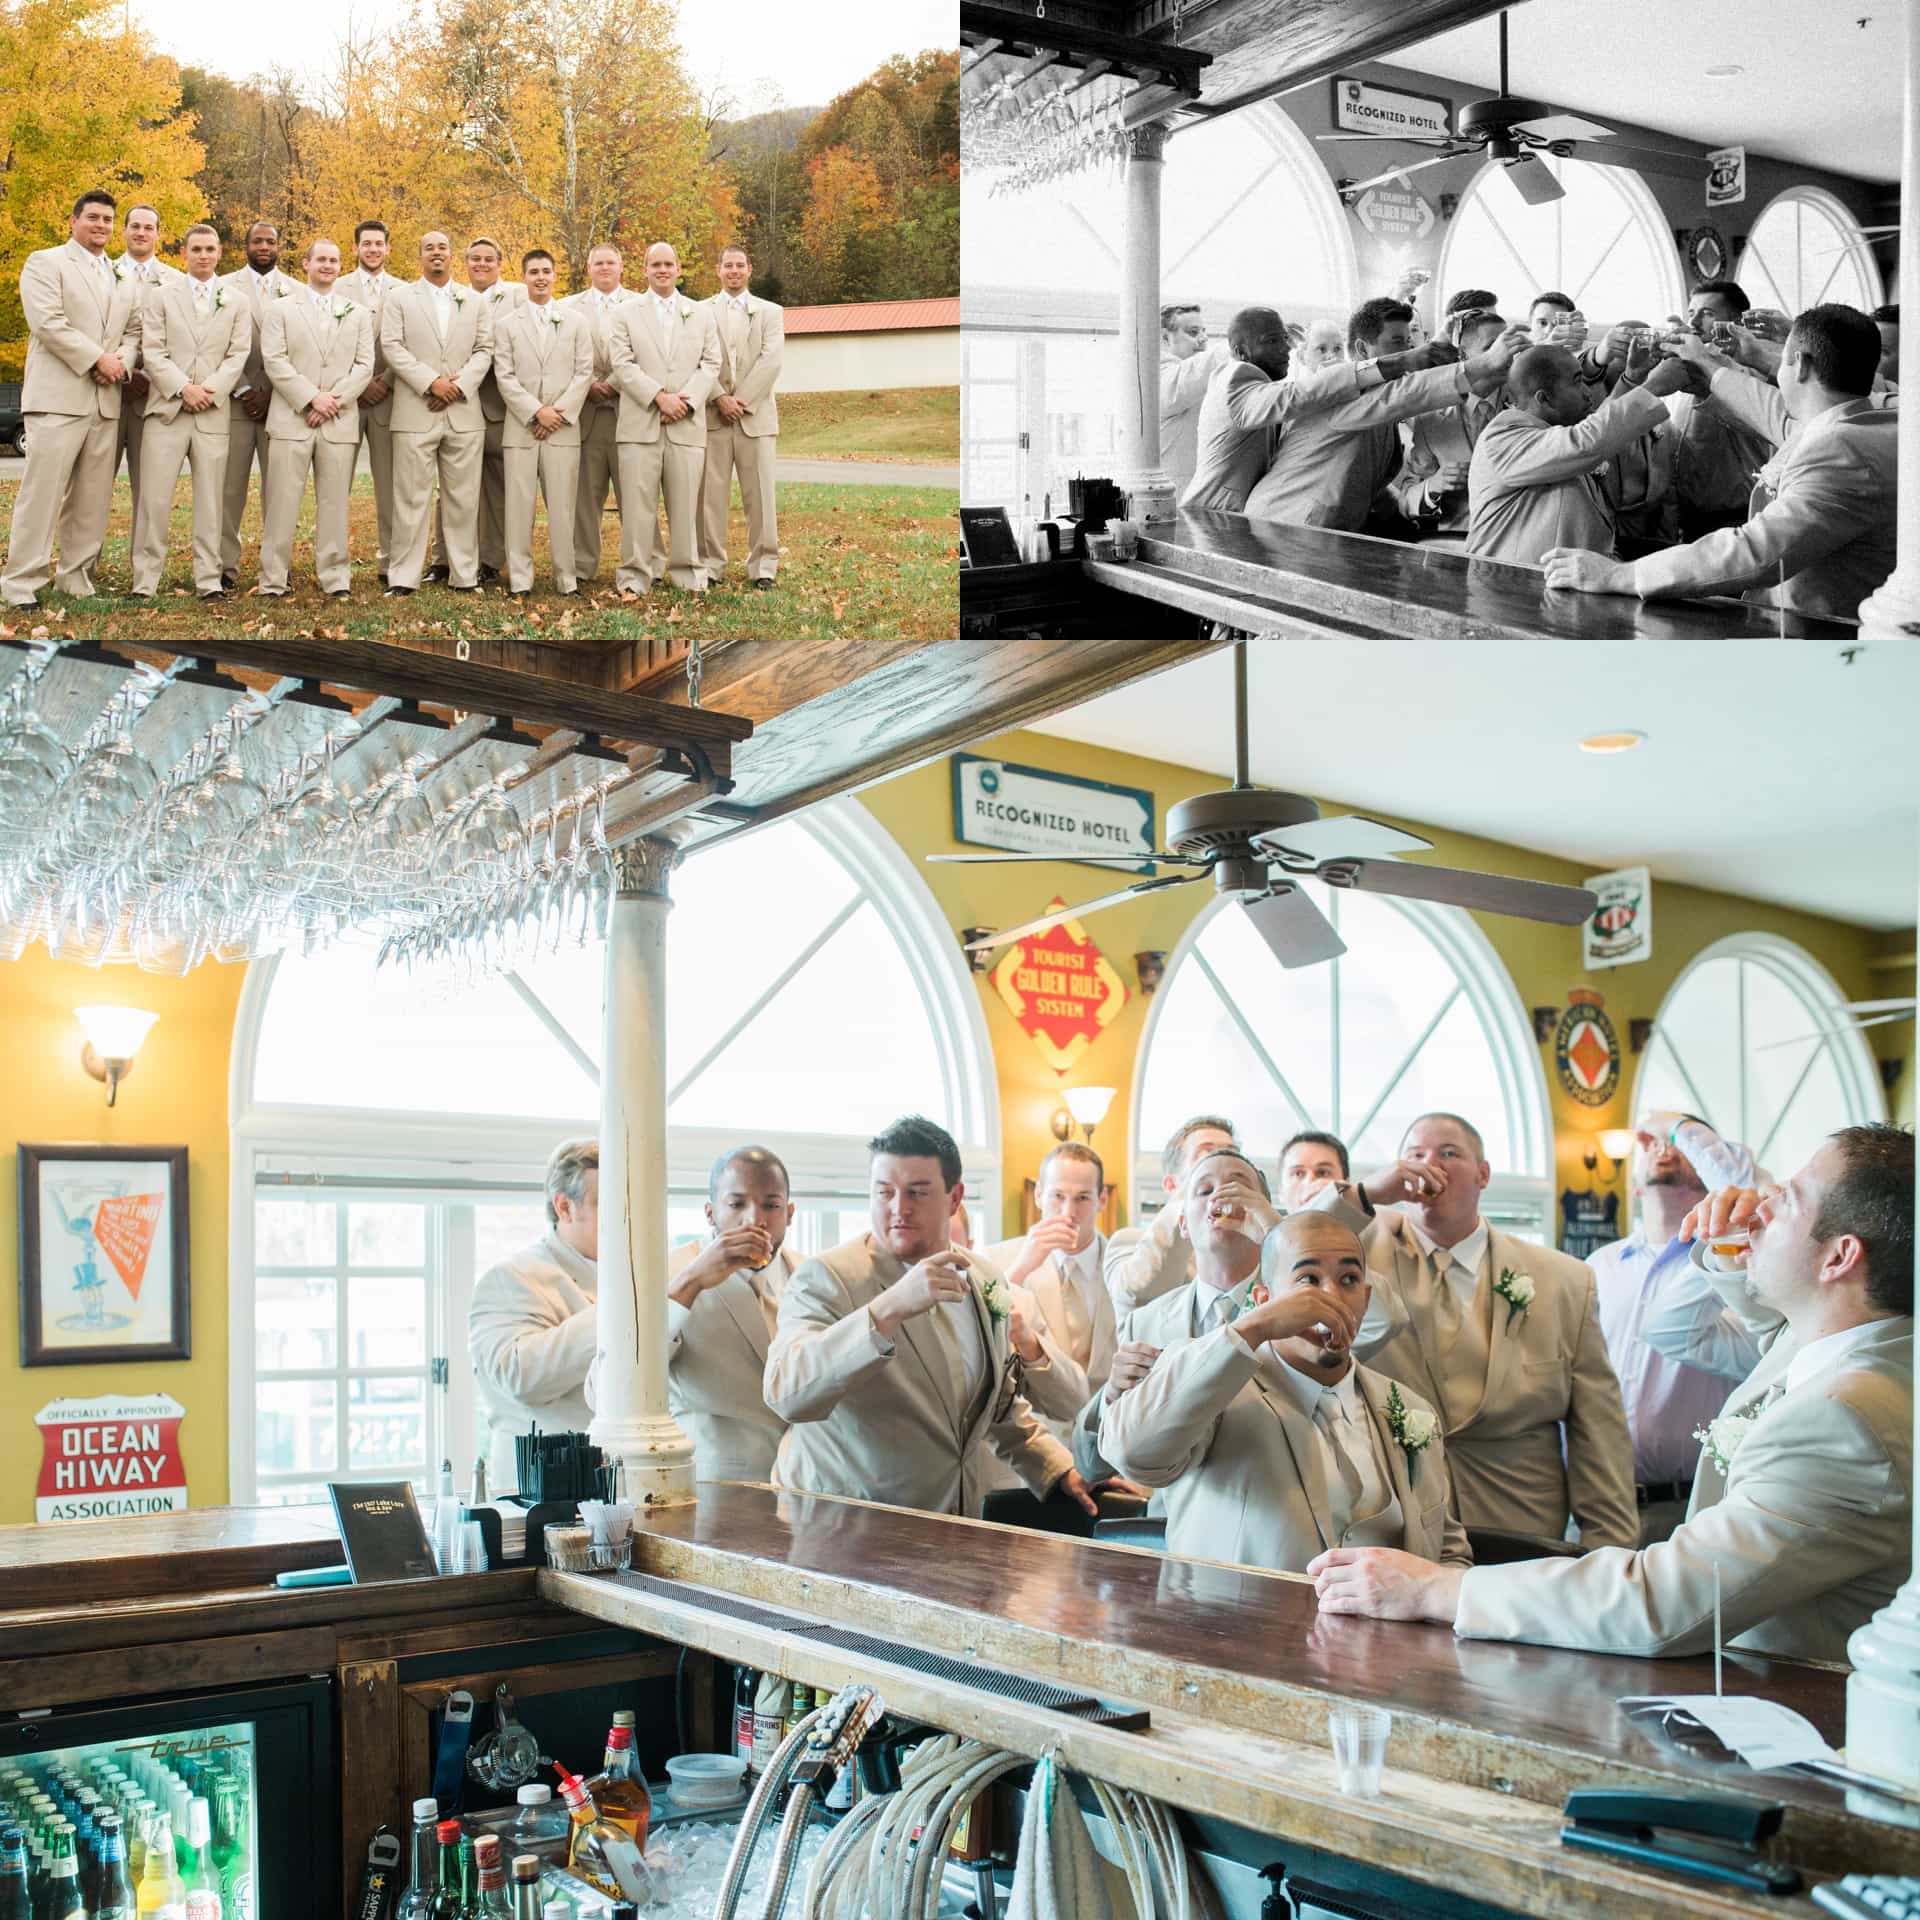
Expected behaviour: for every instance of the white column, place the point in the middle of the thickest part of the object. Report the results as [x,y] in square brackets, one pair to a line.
[1893,613]
[630,1418]
[1148,484]
[1883,1690]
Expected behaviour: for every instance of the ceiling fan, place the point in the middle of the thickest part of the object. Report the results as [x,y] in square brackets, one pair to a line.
[1882,1013]
[1517,132]
[1257,844]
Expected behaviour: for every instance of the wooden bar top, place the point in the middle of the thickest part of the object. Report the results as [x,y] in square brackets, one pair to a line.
[1266,577]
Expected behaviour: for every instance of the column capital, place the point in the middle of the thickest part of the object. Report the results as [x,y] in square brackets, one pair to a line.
[1148,141]
[645,865]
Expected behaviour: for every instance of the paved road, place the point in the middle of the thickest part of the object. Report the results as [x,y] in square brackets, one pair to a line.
[843,473]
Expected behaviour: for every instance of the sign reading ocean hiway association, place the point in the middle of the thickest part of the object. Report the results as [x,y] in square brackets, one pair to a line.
[1586,1050]
[1359,107]
[1033,810]
[1621,929]
[1061,989]
[110,1454]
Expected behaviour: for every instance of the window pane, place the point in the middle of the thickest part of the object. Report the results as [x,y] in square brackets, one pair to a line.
[1453,1072]
[293,1493]
[294,1233]
[387,1321]
[1804,250]
[1816,1110]
[387,1424]
[1702,1024]
[294,1322]
[387,1234]
[296,1426]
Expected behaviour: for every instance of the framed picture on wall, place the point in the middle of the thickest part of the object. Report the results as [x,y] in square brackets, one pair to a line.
[103,1255]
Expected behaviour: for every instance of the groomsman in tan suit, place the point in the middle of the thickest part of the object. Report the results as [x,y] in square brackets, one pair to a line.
[543,358]
[1804,1496]
[261,282]
[483,276]
[139,261]
[1503,1338]
[665,352]
[743,423]
[195,336]
[318,352]
[369,285]
[1271,1444]
[438,337]
[723,1304]
[599,447]
[84,329]
[1142,1263]
[891,1359]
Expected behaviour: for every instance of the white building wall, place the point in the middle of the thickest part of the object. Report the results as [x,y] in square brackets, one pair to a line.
[850,362]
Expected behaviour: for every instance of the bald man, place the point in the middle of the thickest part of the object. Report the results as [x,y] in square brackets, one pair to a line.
[1272,1444]
[1534,482]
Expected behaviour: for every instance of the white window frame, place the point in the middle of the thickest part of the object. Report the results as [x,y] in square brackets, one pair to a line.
[1854,244]
[1525,1190]
[1825,1001]
[464,1158]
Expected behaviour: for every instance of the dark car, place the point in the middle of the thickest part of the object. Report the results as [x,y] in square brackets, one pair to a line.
[13,423]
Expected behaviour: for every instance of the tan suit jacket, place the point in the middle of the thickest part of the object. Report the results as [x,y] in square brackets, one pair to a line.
[360,287]
[689,365]
[258,291]
[181,350]
[1823,511]
[531,1332]
[1811,1528]
[891,1427]
[1547,1369]
[1142,1263]
[1430,441]
[75,316]
[751,379]
[419,356]
[599,322]
[305,355]
[1242,1463]
[542,364]
[505,297]
[716,1366]
[1241,420]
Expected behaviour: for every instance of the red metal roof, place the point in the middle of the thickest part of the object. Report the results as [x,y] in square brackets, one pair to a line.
[875,316]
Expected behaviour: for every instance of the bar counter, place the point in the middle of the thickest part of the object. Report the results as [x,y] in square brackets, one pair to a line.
[1262,577]
[1235,1668]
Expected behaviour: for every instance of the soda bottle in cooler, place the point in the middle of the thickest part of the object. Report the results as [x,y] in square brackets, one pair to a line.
[114,1897]
[161,1891]
[16,1901]
[202,1876]
[64,1899]
[232,1849]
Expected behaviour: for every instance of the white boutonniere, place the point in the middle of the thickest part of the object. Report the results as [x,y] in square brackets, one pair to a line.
[281,288]
[554,318]
[1722,1437]
[1412,1428]
[1516,1290]
[459,296]
[219,299]
[120,268]
[342,308]
[993,1296]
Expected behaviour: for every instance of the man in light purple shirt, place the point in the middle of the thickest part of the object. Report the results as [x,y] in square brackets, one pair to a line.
[1648,1277]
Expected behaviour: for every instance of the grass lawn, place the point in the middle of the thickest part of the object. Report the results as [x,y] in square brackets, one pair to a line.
[912,424]
[857,561]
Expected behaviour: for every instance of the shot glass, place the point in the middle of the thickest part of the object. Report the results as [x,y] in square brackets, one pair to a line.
[1725,1248]
[1359,1736]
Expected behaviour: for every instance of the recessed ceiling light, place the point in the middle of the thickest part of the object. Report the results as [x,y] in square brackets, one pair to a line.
[1615,740]
[1724,72]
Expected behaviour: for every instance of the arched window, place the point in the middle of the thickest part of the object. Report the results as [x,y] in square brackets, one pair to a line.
[1248,214]
[1806,249]
[1755,1039]
[1605,244]
[1418,1014]
[391,1128]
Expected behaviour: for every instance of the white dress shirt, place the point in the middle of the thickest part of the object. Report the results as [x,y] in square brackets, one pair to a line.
[442,306]
[1346,1427]
[664,313]
[1819,1356]
[323,303]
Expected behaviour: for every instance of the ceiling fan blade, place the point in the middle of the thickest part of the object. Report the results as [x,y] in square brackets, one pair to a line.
[1684,166]
[1534,182]
[1834,1033]
[1346,836]
[1394,173]
[1563,126]
[1297,933]
[1403,139]
[1047,920]
[1457,887]
[1065,859]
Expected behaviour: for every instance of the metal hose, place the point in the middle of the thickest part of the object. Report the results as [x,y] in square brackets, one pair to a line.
[755,1817]
[786,1856]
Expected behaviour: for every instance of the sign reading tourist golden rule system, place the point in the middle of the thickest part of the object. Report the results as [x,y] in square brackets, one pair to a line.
[1061,989]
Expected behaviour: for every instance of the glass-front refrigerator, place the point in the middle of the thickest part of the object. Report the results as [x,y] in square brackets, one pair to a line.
[241,1782]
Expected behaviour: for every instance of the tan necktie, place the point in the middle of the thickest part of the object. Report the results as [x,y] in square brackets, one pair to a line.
[736,337]
[200,299]
[1447,1313]
[1076,1325]
[663,325]
[1330,1416]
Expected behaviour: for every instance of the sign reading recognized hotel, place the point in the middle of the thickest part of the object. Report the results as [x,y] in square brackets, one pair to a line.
[1361,107]
[1061,989]
[1031,810]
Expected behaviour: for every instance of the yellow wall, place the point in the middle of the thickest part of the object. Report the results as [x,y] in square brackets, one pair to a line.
[176,1095]
[178,1092]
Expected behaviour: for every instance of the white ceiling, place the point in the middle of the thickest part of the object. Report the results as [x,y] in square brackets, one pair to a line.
[1771,769]
[1818,88]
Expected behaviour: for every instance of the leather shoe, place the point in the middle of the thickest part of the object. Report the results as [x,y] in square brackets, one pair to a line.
[396,593]
[761,586]
[434,576]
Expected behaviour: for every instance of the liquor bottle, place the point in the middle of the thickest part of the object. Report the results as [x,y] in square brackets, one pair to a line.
[202,1876]
[797,1709]
[744,1681]
[114,1897]
[232,1848]
[769,1718]
[160,1890]
[526,1888]
[619,1793]
[16,1902]
[418,1898]
[64,1901]
[448,1898]
[490,1897]
[598,1852]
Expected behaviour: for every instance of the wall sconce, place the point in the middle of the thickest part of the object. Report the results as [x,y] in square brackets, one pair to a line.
[1086,1105]
[1149,969]
[113,1035]
[978,961]
[1615,1147]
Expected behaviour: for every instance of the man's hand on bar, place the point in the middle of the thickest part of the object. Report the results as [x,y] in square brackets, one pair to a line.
[1075,1488]
[1385,1584]
[1578,570]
